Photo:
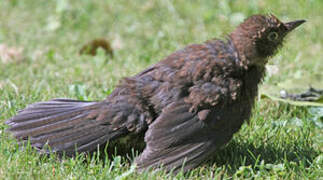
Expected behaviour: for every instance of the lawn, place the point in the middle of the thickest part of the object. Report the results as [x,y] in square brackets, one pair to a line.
[281,141]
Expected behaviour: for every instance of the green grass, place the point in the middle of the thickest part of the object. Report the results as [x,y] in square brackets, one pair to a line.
[280,142]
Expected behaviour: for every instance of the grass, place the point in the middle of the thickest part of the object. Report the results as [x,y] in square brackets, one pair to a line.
[280,142]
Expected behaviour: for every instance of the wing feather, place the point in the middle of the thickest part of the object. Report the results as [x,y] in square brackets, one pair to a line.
[176,137]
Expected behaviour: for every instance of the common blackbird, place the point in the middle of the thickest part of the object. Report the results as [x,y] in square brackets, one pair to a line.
[183,108]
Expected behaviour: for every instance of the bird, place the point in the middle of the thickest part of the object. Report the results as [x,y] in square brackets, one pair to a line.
[182,109]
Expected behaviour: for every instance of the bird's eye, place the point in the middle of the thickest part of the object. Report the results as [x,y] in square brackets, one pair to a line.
[272,36]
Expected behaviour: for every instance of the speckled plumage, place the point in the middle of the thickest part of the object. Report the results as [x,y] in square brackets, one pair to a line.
[183,108]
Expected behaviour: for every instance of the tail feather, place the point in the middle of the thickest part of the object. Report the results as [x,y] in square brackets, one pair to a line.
[79,136]
[88,146]
[65,133]
[49,121]
[60,120]
[45,109]
[63,125]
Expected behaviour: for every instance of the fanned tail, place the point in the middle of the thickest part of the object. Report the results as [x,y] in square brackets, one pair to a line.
[62,125]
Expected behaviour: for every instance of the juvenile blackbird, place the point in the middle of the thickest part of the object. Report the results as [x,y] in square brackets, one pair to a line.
[183,108]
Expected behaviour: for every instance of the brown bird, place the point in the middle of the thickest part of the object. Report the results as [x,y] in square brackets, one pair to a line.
[183,108]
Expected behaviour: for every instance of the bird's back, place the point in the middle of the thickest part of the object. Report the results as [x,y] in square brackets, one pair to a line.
[194,74]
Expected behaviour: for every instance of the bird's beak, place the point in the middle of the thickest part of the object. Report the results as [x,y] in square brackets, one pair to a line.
[293,24]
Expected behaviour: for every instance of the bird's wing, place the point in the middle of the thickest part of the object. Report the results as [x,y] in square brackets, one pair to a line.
[175,138]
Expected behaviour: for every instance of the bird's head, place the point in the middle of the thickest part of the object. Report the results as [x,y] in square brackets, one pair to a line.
[259,37]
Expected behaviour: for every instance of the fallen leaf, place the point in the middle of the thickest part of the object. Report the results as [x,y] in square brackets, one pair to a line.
[92,47]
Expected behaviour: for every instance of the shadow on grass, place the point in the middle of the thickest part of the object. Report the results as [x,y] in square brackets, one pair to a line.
[231,157]
[237,154]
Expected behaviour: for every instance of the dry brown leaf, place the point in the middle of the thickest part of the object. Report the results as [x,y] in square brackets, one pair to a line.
[92,46]
[10,54]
